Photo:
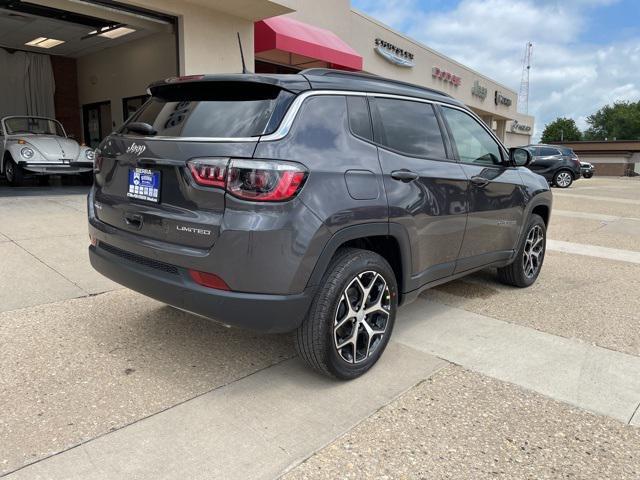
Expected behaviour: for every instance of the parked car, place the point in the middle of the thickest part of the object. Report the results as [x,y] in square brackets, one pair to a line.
[559,165]
[39,146]
[315,202]
[587,169]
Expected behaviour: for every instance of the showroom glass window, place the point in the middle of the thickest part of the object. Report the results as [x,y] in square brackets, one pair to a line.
[410,128]
[474,144]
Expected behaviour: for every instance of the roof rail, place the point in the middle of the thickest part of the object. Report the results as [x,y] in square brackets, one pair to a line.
[325,72]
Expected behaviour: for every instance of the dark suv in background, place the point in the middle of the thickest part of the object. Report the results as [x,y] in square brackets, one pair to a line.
[559,165]
[316,202]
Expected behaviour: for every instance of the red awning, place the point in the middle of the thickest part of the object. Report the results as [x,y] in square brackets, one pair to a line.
[291,36]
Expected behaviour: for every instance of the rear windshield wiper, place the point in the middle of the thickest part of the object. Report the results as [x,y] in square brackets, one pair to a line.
[142,128]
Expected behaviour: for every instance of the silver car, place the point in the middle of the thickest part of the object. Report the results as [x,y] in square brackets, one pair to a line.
[40,146]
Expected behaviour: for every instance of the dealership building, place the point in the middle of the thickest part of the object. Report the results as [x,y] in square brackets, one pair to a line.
[88,62]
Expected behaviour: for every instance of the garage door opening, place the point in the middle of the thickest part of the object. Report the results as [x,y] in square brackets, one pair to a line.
[85,63]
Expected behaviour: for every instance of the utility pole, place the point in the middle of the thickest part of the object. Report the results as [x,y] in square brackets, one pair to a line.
[523,95]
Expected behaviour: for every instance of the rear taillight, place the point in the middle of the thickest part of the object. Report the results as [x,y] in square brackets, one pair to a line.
[264,181]
[255,180]
[209,172]
[97,161]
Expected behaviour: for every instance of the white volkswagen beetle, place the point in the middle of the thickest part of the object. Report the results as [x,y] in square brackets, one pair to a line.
[40,146]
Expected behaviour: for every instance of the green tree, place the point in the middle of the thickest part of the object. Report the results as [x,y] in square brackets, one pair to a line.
[620,121]
[561,129]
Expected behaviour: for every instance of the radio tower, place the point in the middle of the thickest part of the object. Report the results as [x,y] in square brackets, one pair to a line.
[523,96]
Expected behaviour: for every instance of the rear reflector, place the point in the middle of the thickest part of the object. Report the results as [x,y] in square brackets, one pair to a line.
[208,280]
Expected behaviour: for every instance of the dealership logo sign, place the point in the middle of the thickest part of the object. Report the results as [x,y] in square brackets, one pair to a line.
[502,100]
[437,72]
[478,90]
[394,54]
[518,127]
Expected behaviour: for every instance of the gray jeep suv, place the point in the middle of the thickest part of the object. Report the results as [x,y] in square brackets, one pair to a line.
[316,202]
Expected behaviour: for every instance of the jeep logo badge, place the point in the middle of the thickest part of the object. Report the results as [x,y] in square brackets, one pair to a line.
[136,149]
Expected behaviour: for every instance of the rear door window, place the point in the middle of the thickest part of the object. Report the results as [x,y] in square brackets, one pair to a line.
[566,151]
[359,118]
[213,110]
[548,151]
[409,127]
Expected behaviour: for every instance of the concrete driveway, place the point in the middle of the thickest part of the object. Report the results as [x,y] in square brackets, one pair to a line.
[480,381]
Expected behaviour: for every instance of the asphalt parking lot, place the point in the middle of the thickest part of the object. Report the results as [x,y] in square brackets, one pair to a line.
[480,380]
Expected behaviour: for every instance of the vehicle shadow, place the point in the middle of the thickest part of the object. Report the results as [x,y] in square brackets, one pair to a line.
[55,186]
[193,352]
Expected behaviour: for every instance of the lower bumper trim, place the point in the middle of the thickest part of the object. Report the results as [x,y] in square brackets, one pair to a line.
[259,312]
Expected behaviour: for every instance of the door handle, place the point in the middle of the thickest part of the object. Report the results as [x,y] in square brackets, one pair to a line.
[480,181]
[404,175]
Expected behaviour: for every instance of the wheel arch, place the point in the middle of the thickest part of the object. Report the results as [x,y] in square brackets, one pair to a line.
[541,205]
[390,241]
[544,211]
[565,169]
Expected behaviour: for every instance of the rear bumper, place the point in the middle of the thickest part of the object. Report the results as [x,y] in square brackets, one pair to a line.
[258,312]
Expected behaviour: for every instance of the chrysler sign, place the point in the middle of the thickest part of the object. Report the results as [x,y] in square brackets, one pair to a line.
[394,54]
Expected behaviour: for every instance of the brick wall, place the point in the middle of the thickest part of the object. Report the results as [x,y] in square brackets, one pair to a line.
[65,73]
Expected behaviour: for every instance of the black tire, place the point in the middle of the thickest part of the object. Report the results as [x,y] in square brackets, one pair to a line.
[86,178]
[13,172]
[563,179]
[588,175]
[317,338]
[518,272]
[42,180]
[67,180]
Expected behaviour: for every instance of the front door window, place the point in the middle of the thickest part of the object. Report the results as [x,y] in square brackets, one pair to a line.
[475,145]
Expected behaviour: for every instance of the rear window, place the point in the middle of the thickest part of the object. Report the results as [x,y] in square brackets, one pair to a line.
[213,109]
[410,128]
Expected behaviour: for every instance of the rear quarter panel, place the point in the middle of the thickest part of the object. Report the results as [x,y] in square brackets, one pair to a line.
[321,140]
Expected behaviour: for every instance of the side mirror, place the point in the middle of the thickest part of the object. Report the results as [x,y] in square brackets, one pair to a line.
[519,157]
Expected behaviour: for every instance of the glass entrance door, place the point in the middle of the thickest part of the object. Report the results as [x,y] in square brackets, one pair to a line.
[97,122]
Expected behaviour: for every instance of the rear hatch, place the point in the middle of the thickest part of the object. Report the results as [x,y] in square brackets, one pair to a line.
[143,184]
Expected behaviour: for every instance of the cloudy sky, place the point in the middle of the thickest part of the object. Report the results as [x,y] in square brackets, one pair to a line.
[586,53]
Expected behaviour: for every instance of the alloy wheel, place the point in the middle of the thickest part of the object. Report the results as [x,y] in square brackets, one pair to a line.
[533,251]
[361,317]
[563,179]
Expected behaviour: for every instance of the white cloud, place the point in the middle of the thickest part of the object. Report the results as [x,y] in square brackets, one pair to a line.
[568,78]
